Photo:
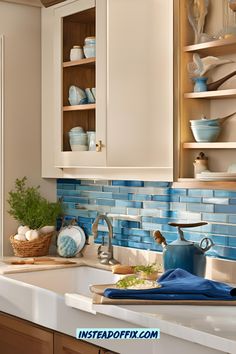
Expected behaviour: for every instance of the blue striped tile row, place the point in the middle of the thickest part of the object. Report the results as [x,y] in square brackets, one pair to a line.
[156,204]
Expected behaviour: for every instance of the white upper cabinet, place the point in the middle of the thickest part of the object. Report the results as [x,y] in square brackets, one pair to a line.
[133,76]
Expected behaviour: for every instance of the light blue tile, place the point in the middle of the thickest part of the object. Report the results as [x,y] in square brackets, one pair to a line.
[88,188]
[108,202]
[133,211]
[139,245]
[189,216]
[155,220]
[232,241]
[232,201]
[153,191]
[224,229]
[158,205]
[190,199]
[140,197]
[147,239]
[128,190]
[220,240]
[118,210]
[85,182]
[215,200]
[151,212]
[151,226]
[165,198]
[112,189]
[119,183]
[200,193]
[135,232]
[200,207]
[156,247]
[93,195]
[231,209]
[232,219]
[121,196]
[214,217]
[79,212]
[128,204]
[178,206]
[224,194]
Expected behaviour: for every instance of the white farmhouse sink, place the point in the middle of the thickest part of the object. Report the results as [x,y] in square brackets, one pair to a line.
[67,280]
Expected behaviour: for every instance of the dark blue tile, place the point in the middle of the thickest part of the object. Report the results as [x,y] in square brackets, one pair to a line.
[119,183]
[232,201]
[165,198]
[232,219]
[135,232]
[135,183]
[68,181]
[232,241]
[157,184]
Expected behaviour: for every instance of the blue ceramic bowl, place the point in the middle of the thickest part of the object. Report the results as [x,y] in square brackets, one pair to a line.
[205,133]
[77,96]
[205,122]
[90,41]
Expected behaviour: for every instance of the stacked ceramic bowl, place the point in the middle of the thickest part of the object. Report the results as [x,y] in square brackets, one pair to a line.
[90,47]
[205,130]
[78,139]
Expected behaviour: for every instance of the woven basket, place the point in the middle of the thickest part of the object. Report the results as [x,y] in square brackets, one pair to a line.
[38,247]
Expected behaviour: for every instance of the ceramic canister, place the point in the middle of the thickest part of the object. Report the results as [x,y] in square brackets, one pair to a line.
[76,53]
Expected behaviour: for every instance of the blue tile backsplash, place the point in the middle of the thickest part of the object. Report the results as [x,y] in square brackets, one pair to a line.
[155,204]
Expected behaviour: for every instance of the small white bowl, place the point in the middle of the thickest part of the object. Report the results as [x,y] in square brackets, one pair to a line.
[77,147]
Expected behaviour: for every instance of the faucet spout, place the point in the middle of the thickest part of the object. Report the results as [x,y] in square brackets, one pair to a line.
[105,257]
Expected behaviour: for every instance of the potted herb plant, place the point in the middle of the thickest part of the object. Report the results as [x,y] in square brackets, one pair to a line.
[36,216]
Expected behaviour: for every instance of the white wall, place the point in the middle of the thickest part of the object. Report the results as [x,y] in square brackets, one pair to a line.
[21,26]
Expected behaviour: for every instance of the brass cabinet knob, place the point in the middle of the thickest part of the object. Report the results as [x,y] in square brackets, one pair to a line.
[99,146]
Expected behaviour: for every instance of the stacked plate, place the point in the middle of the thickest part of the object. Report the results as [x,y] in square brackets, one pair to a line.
[216,176]
[78,139]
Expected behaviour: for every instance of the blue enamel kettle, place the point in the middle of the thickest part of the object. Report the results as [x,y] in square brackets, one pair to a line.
[184,254]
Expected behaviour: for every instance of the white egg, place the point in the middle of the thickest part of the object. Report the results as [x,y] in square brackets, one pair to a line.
[22,230]
[32,235]
[20,237]
[46,229]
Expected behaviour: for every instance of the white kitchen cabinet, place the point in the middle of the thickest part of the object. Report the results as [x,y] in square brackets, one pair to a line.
[133,115]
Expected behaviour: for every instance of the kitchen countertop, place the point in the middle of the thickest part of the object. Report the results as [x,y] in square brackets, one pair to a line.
[209,326]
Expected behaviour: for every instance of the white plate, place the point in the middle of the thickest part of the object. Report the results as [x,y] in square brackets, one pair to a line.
[76,233]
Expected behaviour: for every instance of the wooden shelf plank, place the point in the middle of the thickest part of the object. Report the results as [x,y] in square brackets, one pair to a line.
[217,47]
[230,93]
[80,107]
[84,61]
[193,183]
[213,145]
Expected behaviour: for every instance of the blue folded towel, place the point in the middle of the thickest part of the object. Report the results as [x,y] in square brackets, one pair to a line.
[178,284]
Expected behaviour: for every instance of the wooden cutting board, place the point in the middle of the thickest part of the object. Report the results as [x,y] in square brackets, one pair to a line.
[98,298]
[40,261]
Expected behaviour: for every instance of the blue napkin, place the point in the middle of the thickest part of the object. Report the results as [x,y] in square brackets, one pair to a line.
[178,284]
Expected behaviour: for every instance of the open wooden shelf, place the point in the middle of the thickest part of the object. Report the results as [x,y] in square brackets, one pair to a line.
[219,145]
[230,93]
[85,61]
[194,183]
[80,107]
[217,47]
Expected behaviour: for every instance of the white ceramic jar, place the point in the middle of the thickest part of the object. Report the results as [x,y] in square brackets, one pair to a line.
[76,53]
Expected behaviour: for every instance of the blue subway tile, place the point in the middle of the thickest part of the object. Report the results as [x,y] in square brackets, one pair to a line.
[224,194]
[89,188]
[134,224]
[157,184]
[119,183]
[200,207]
[139,245]
[135,183]
[214,217]
[165,198]
[112,189]
[139,197]
[108,202]
[133,211]
[232,241]
[135,232]
[232,201]
[147,239]
[178,191]
[231,209]
[178,206]
[151,212]
[122,196]
[128,204]
[215,200]
[158,205]
[224,229]
[190,199]
[200,193]
[66,186]
[155,220]
[232,219]
[220,240]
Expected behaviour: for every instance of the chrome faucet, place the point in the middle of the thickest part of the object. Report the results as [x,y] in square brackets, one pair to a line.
[106,257]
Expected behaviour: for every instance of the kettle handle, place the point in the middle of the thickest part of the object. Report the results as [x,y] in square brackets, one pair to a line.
[208,244]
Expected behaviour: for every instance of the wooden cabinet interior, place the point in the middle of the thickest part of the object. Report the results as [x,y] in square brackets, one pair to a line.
[194,105]
[76,28]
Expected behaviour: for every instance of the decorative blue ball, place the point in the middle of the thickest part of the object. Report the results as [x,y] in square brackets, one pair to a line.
[67,247]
